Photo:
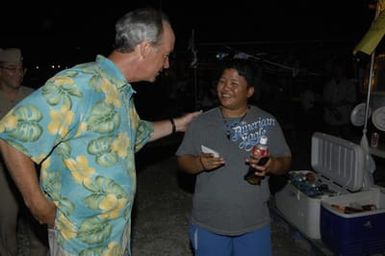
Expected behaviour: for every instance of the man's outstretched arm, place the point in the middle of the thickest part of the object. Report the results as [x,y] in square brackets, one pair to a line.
[167,127]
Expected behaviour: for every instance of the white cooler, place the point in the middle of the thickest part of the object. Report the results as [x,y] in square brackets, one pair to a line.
[337,164]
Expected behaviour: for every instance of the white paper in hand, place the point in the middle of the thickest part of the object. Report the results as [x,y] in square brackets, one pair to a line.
[209,150]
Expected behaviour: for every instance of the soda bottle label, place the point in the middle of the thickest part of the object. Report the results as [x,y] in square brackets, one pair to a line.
[260,151]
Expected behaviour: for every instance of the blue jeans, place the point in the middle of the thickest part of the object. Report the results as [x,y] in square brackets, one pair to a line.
[206,243]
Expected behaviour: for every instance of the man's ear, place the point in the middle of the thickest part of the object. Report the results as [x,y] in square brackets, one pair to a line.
[145,49]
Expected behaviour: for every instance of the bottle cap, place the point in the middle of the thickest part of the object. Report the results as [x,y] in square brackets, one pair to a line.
[263,140]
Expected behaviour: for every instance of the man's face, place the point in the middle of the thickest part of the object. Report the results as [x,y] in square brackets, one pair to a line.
[11,76]
[159,56]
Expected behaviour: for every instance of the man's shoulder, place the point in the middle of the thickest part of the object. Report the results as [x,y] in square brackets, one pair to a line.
[83,69]
[79,74]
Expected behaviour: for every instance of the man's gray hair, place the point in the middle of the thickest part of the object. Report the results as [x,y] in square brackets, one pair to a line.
[139,26]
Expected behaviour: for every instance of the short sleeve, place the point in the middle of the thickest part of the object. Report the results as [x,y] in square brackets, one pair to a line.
[42,120]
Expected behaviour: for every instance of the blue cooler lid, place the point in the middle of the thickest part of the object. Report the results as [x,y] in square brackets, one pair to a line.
[339,160]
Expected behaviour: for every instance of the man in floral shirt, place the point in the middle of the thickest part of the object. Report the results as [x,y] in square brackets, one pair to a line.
[83,129]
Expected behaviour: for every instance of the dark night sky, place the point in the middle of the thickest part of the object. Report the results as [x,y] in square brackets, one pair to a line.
[59,30]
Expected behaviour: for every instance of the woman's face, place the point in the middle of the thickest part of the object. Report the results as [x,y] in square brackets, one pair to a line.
[233,90]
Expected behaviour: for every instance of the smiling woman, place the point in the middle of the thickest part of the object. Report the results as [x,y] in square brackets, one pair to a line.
[217,232]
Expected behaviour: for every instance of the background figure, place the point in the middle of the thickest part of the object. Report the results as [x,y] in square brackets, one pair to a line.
[339,97]
[230,216]
[11,92]
[83,129]
[311,109]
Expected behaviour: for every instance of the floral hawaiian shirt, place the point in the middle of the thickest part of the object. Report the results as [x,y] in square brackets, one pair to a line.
[83,129]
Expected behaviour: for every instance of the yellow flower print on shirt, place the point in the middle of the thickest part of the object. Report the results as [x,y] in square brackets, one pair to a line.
[79,168]
[62,80]
[112,206]
[66,228]
[112,94]
[9,122]
[61,90]
[120,145]
[107,196]
[82,128]
[60,121]
[113,250]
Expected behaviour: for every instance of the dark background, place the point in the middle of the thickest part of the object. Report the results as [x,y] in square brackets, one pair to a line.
[73,30]
[301,33]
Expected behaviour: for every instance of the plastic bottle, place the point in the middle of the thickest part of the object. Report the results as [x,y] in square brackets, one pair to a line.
[374,140]
[260,151]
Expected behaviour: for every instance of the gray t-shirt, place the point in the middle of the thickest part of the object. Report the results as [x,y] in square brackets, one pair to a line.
[223,201]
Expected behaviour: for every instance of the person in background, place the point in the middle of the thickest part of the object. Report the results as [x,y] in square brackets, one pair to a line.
[82,127]
[339,96]
[231,216]
[11,92]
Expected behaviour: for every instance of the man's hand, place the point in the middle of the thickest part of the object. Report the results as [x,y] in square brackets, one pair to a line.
[182,122]
[165,127]
[43,210]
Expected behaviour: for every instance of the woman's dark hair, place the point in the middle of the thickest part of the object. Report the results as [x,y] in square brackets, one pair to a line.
[248,69]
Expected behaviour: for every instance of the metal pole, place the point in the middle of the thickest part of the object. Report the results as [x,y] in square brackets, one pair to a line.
[370,79]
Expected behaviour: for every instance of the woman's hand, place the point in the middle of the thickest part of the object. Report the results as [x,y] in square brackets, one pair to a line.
[209,162]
